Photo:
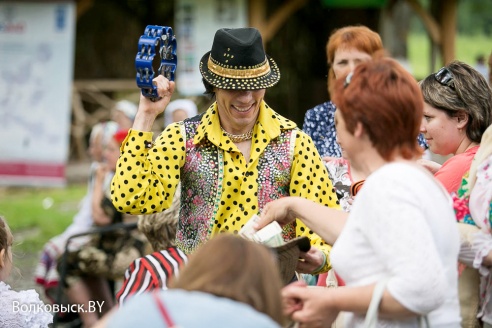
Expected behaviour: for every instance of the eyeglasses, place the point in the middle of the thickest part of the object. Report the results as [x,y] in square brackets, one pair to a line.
[445,77]
[348,79]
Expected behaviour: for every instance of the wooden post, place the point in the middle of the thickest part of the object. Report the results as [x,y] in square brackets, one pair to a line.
[490,69]
[257,15]
[83,6]
[78,125]
[268,27]
[430,24]
[448,30]
[433,29]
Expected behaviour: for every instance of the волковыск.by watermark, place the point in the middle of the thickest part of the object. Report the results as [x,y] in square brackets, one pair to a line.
[93,306]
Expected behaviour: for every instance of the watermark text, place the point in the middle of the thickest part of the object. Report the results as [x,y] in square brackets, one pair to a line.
[92,306]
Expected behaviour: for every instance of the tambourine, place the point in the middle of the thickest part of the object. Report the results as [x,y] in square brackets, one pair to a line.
[155,40]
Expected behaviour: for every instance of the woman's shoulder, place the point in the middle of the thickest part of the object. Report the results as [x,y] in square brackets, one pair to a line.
[403,176]
[462,160]
[4,289]
[217,309]
[320,109]
[6,292]
[30,308]
[208,310]
[393,170]
[23,296]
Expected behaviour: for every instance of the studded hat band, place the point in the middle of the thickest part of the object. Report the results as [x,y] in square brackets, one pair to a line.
[234,73]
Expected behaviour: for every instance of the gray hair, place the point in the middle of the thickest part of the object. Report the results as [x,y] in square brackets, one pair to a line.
[471,95]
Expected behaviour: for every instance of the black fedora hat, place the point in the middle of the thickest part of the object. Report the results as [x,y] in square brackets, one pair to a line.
[238,61]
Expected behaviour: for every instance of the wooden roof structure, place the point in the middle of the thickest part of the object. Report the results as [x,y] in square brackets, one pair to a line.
[441,26]
[269,17]
[441,29]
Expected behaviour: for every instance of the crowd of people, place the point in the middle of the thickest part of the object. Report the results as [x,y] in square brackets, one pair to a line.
[353,181]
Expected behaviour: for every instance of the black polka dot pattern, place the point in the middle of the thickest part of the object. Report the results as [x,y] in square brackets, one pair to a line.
[220,190]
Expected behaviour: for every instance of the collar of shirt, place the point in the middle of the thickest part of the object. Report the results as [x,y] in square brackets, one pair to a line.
[268,121]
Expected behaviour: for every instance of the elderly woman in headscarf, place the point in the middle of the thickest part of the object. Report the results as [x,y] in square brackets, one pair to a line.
[179,110]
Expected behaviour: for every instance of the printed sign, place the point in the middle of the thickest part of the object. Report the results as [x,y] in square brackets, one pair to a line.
[36,71]
[196,23]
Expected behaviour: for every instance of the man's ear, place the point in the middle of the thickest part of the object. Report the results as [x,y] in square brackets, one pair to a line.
[462,119]
[2,258]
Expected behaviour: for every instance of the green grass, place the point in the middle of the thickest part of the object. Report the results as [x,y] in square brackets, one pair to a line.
[467,48]
[23,208]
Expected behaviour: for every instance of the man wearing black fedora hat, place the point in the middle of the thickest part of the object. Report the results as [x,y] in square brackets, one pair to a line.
[231,160]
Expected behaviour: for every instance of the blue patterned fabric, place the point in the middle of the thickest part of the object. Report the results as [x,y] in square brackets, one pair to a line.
[319,124]
[421,141]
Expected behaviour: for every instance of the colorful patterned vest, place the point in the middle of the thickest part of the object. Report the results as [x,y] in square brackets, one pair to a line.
[201,183]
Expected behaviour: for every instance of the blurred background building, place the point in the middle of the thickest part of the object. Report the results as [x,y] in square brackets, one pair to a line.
[82,73]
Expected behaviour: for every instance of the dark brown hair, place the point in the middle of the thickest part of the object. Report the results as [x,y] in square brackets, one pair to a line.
[386,99]
[209,89]
[233,267]
[470,94]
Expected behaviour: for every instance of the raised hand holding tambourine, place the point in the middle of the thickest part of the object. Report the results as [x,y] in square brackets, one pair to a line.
[155,40]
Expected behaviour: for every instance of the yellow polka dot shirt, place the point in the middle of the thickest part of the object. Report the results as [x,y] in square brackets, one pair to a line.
[220,191]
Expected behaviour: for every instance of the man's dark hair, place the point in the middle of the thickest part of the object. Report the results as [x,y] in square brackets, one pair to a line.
[209,89]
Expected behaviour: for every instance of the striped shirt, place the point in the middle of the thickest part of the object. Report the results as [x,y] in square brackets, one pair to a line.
[151,272]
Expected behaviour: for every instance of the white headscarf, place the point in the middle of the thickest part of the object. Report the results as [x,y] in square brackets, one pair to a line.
[185,104]
[107,129]
[127,107]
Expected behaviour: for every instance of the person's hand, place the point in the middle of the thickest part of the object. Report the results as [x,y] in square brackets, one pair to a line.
[291,305]
[308,306]
[278,210]
[432,166]
[327,159]
[101,171]
[487,260]
[310,260]
[148,110]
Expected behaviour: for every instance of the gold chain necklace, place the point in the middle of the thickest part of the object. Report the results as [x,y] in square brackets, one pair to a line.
[238,137]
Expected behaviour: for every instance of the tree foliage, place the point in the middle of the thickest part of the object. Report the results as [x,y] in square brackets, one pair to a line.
[474,17]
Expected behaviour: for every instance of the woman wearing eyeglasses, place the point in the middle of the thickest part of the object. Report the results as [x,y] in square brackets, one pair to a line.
[457,110]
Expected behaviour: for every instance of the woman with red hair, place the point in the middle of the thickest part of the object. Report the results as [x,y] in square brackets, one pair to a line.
[346,48]
[401,228]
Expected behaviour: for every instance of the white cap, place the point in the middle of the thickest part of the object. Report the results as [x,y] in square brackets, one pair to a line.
[127,107]
[185,104]
[106,129]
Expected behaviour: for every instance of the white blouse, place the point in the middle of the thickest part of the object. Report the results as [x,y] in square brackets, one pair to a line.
[402,227]
[22,309]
